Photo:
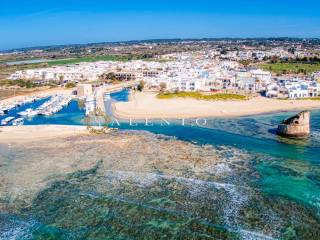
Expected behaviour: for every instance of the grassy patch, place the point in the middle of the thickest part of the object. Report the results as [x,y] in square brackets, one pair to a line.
[121,58]
[91,59]
[198,95]
[292,67]
[289,99]
[312,98]
[6,70]
[20,83]
[70,85]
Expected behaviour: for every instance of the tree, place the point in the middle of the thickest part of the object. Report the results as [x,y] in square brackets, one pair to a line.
[223,52]
[70,85]
[292,50]
[111,76]
[140,86]
[274,59]
[245,63]
[163,86]
[61,78]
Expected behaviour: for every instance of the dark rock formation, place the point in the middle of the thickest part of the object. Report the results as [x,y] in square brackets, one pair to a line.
[297,126]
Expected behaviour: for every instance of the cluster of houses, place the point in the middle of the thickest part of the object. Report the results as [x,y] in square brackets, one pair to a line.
[293,88]
[190,71]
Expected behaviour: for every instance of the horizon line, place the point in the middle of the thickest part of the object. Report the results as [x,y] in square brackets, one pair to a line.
[155,39]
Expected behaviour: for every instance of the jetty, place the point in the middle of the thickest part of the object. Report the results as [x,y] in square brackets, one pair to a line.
[297,126]
[102,90]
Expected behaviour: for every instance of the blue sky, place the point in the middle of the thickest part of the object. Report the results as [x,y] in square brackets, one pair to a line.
[25,23]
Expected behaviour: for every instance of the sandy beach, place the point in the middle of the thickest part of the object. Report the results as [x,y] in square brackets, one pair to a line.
[146,105]
[13,134]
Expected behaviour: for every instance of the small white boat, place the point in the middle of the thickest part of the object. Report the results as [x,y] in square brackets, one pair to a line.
[5,110]
[28,113]
[6,121]
[18,122]
[25,112]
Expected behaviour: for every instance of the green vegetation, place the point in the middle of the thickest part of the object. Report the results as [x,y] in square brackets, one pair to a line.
[245,63]
[198,95]
[70,85]
[309,98]
[163,86]
[20,83]
[108,77]
[140,87]
[291,67]
[122,58]
[312,98]
[6,70]
[93,59]
[160,60]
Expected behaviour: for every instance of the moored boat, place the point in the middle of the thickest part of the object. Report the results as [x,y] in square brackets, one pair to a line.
[28,113]
[18,122]
[6,121]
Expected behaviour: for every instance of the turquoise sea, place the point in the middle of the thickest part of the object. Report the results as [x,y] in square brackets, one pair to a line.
[269,189]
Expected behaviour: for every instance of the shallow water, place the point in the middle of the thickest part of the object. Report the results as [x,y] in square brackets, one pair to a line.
[243,183]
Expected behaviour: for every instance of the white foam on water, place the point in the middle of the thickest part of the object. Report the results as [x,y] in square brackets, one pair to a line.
[250,235]
[237,195]
[315,135]
[16,229]
[145,179]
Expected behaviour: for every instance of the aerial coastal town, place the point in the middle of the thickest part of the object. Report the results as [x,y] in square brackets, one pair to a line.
[206,69]
[162,119]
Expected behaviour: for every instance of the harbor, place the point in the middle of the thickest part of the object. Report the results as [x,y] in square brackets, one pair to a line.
[57,109]
[24,111]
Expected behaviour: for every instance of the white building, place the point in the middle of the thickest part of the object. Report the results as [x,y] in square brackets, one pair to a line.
[293,89]
[84,90]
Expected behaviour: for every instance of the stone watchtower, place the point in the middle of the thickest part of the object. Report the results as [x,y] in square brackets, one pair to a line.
[296,126]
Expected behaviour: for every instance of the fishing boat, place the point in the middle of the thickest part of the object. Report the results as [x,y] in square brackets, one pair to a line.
[6,121]
[18,122]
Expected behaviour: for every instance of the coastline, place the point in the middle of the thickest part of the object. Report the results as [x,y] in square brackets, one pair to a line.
[146,105]
[27,133]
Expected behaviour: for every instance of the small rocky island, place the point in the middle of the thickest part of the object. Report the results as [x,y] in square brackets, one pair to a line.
[297,126]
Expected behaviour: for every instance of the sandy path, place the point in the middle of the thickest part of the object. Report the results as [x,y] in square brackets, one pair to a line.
[146,105]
